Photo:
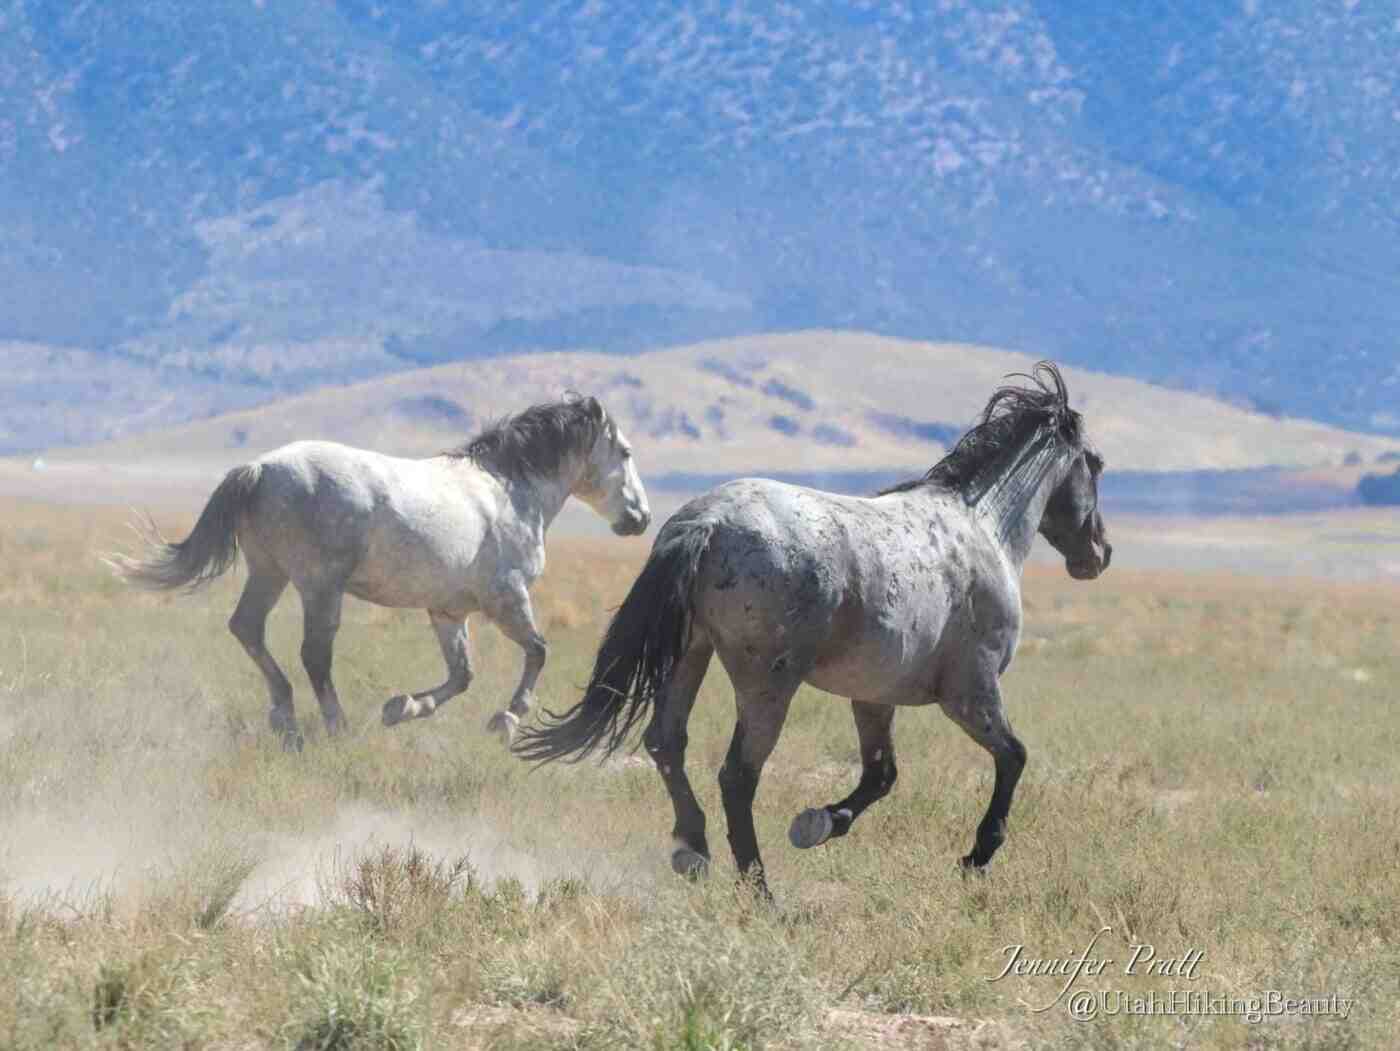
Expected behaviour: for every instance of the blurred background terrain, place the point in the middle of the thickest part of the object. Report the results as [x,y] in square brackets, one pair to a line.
[204,209]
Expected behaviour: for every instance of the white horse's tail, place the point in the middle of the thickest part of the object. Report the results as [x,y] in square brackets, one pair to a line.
[648,634]
[206,553]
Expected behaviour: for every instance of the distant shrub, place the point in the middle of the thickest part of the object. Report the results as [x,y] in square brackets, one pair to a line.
[1380,490]
[784,425]
[433,408]
[724,369]
[829,434]
[922,430]
[776,388]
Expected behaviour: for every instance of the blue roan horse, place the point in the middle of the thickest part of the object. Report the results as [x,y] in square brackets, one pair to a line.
[911,597]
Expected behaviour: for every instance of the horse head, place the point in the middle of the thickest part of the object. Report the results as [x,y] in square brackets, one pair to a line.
[1072,522]
[610,483]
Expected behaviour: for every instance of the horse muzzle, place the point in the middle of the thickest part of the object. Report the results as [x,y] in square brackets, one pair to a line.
[1090,568]
[632,523]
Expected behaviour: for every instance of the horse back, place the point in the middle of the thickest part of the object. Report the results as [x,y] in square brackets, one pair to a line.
[395,531]
[866,595]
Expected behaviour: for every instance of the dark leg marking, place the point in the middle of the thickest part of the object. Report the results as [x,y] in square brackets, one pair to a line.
[981,715]
[761,718]
[666,740]
[878,773]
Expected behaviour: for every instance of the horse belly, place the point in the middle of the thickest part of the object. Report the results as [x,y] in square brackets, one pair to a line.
[408,591]
[888,666]
[412,569]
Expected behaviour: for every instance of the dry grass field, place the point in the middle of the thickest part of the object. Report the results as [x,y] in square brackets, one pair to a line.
[1214,771]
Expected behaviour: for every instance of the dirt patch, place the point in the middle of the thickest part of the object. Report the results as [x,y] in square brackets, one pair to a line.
[1170,800]
[620,764]
[922,1032]
[485,1026]
[831,776]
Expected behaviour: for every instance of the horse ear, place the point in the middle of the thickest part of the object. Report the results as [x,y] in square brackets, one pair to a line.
[594,408]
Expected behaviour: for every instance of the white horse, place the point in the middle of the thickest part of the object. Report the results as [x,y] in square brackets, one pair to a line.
[912,597]
[458,533]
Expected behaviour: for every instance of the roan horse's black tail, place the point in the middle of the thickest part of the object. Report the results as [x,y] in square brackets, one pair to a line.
[647,636]
[203,555]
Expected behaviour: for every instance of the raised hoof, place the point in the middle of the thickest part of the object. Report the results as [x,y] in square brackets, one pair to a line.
[689,863]
[400,709]
[504,725]
[811,828]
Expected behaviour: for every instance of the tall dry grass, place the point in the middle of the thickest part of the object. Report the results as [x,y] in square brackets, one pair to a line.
[1213,766]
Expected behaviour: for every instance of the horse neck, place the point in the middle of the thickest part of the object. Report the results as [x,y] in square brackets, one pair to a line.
[1015,504]
[541,499]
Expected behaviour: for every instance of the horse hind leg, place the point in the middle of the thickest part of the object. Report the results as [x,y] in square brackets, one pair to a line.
[321,621]
[249,626]
[665,741]
[762,710]
[451,630]
[874,723]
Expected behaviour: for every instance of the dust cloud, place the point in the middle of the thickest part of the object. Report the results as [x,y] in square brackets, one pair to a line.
[111,802]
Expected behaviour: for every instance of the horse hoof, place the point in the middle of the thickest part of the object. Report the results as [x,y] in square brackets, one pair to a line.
[811,828]
[397,709]
[689,863]
[503,724]
[293,741]
[968,865]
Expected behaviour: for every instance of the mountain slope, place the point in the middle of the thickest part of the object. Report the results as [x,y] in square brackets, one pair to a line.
[1192,194]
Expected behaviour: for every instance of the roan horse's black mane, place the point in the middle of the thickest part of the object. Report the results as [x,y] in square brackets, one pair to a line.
[1016,419]
[533,443]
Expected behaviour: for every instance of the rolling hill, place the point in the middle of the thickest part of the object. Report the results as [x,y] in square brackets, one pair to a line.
[829,405]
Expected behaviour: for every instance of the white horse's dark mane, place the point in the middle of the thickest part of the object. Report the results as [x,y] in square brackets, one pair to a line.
[534,442]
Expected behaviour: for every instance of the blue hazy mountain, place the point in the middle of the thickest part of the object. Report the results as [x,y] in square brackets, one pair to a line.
[267,195]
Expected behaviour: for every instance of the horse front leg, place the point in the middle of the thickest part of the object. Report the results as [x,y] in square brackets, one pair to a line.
[816,825]
[511,611]
[978,709]
[451,631]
